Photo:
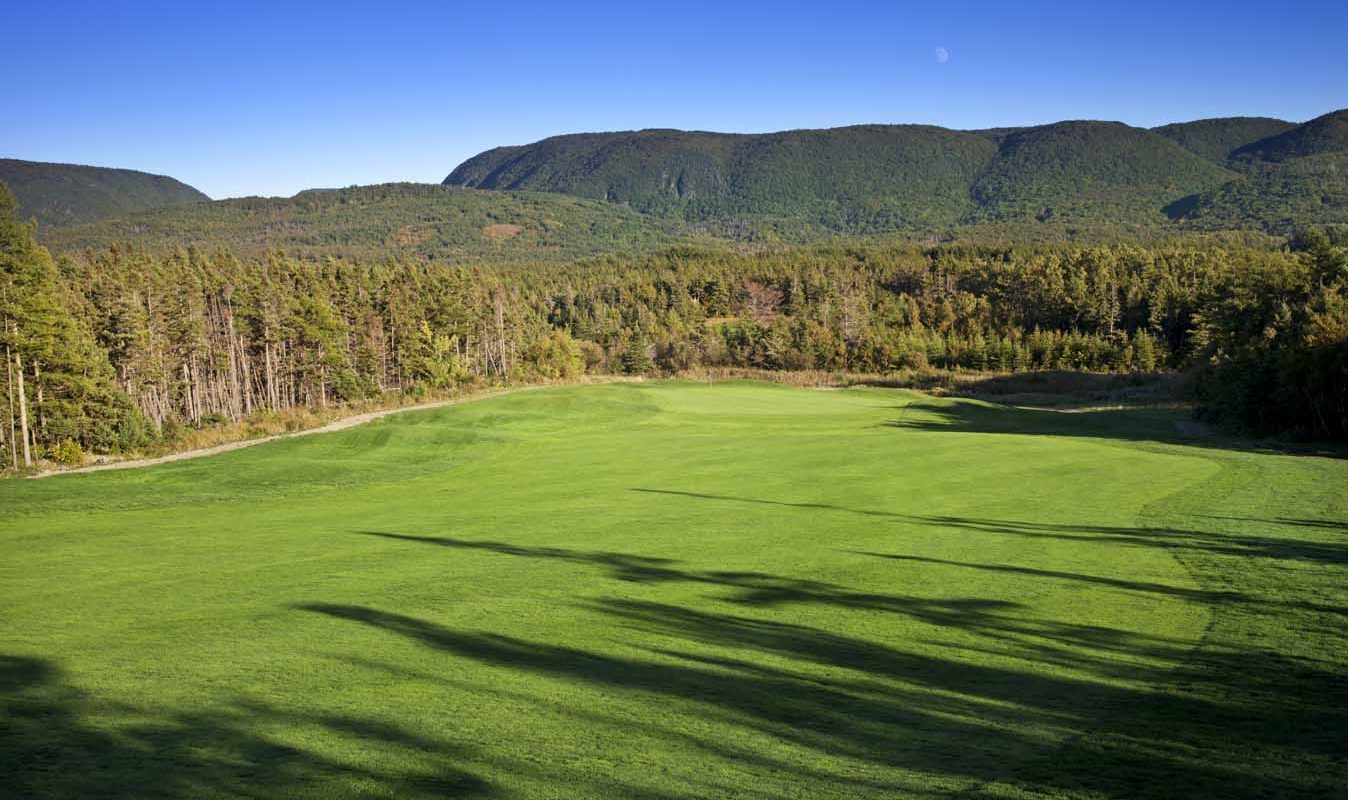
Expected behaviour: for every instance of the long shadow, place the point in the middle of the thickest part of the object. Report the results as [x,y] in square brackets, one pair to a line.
[782,503]
[1025,691]
[826,717]
[1223,543]
[884,724]
[1322,524]
[747,588]
[1326,524]
[1228,725]
[1172,538]
[49,749]
[970,724]
[1118,424]
[1145,587]
[998,620]
[640,569]
[594,718]
[875,660]
[994,618]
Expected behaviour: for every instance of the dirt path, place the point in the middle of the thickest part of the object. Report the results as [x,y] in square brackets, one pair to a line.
[335,425]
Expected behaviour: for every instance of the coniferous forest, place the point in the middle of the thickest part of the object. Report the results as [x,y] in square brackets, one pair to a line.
[119,348]
[135,310]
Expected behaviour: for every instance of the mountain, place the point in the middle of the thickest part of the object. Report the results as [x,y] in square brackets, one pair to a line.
[1290,179]
[1311,190]
[869,178]
[67,194]
[576,195]
[1088,171]
[1216,139]
[1326,134]
[373,223]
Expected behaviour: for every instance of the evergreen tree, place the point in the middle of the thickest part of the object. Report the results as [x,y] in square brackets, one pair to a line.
[64,387]
[636,358]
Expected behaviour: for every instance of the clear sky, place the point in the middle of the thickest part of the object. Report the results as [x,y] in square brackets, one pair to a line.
[270,98]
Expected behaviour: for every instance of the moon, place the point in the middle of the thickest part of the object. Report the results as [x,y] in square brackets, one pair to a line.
[942,55]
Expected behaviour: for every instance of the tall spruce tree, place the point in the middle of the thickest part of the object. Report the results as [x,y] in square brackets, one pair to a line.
[63,380]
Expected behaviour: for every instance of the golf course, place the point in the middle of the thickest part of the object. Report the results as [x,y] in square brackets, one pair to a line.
[664,589]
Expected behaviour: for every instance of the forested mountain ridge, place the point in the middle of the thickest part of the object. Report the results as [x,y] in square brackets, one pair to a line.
[1287,181]
[1216,139]
[1310,190]
[1324,134]
[67,194]
[868,177]
[879,178]
[374,223]
[581,195]
[1086,170]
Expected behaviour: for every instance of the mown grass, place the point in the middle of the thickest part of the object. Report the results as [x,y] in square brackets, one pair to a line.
[678,590]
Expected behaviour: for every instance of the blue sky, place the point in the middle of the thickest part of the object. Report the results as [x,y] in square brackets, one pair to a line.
[271,98]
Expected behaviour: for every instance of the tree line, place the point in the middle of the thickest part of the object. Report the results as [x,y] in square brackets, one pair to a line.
[113,349]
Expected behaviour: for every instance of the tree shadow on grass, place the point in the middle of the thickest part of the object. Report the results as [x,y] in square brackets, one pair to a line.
[1229,722]
[997,619]
[747,588]
[827,717]
[51,748]
[596,718]
[1173,538]
[1333,526]
[971,726]
[1118,424]
[991,617]
[1143,587]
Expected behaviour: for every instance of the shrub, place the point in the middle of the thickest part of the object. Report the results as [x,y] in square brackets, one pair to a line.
[67,453]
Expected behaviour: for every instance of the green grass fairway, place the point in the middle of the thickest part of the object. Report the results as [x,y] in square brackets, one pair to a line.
[675,590]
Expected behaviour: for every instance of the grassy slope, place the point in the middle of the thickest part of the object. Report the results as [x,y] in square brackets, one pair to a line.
[375,222]
[675,590]
[66,194]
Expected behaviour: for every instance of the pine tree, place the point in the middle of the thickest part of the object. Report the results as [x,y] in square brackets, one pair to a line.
[1144,351]
[63,378]
[636,358]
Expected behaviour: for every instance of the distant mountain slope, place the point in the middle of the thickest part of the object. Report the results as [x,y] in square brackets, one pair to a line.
[1325,134]
[387,220]
[1089,170]
[870,177]
[1312,190]
[1216,139]
[67,194]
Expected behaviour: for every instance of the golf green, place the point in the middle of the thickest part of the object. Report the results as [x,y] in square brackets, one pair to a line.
[676,590]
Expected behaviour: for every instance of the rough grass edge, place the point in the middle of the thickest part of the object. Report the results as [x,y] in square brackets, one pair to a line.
[302,422]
